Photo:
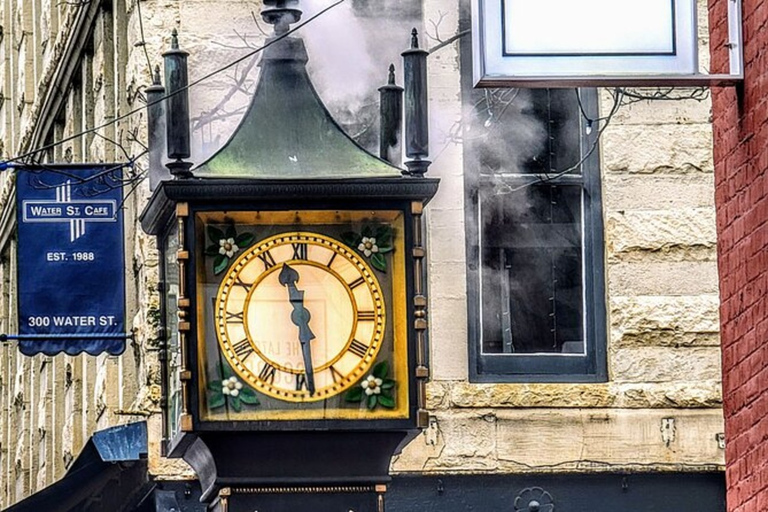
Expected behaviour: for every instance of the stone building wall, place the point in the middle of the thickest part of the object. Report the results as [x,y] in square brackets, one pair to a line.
[663,355]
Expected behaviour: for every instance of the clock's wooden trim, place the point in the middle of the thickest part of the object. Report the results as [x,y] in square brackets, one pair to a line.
[182,257]
[247,192]
[421,370]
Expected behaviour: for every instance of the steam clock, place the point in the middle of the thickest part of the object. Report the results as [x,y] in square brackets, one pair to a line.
[293,291]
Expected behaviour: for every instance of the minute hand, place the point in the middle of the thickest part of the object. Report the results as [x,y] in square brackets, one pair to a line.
[300,316]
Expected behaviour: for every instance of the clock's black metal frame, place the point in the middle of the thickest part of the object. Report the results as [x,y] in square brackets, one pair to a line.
[337,441]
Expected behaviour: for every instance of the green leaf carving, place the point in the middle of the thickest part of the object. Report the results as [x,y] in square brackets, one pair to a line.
[387,401]
[381,370]
[220,263]
[379,262]
[215,234]
[355,394]
[372,401]
[216,400]
[243,240]
[351,238]
[248,396]
[383,235]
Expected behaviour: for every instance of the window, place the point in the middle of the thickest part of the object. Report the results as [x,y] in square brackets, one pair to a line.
[535,246]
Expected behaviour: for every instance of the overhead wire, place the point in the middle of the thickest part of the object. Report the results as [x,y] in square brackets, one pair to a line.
[6,163]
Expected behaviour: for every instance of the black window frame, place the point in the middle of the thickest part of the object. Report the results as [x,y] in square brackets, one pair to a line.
[499,367]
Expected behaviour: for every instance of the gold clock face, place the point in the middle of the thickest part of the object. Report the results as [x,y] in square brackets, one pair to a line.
[300,316]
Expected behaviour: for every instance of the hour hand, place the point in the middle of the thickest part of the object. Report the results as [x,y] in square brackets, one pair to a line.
[300,316]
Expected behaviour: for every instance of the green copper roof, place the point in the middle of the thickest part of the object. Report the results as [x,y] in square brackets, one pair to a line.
[287,131]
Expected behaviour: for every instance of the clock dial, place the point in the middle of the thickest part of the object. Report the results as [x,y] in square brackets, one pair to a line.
[300,316]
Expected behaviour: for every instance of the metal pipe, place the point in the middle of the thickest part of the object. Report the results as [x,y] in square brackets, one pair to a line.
[156,131]
[177,108]
[391,120]
[416,112]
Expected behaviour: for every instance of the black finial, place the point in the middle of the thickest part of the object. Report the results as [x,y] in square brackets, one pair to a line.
[156,75]
[175,39]
[391,79]
[414,38]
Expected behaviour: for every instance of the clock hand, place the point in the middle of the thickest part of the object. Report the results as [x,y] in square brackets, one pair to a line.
[300,316]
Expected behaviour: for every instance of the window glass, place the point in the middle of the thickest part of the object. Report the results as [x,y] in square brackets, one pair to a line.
[535,269]
[532,271]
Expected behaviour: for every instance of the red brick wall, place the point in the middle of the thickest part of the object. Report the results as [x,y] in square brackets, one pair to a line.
[741,194]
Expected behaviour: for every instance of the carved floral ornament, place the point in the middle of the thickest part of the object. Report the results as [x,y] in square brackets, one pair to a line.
[534,499]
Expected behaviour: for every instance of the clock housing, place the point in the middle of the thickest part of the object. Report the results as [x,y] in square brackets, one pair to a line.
[191,219]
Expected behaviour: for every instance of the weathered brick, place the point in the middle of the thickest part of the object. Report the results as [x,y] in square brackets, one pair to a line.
[741,161]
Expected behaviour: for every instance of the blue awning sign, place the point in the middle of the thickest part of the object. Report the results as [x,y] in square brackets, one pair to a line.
[71,272]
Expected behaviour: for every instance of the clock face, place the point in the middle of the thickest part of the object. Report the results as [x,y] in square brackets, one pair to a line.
[300,316]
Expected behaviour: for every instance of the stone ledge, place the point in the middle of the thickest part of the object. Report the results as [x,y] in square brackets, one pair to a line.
[580,440]
[449,395]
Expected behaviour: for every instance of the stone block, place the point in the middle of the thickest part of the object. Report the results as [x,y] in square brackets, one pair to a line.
[604,440]
[664,364]
[661,112]
[662,278]
[625,192]
[448,339]
[649,321]
[679,394]
[671,234]
[673,149]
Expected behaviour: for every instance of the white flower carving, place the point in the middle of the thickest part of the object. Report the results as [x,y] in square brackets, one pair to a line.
[227,247]
[368,246]
[372,385]
[231,386]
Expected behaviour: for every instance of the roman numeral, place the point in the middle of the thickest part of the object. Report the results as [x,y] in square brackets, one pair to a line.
[357,282]
[301,382]
[239,282]
[330,261]
[299,251]
[358,348]
[336,374]
[267,374]
[234,318]
[267,259]
[242,349]
[366,316]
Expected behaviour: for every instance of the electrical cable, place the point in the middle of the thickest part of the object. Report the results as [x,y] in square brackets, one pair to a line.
[6,163]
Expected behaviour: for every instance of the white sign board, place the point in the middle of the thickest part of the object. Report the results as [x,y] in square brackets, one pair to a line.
[583,40]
